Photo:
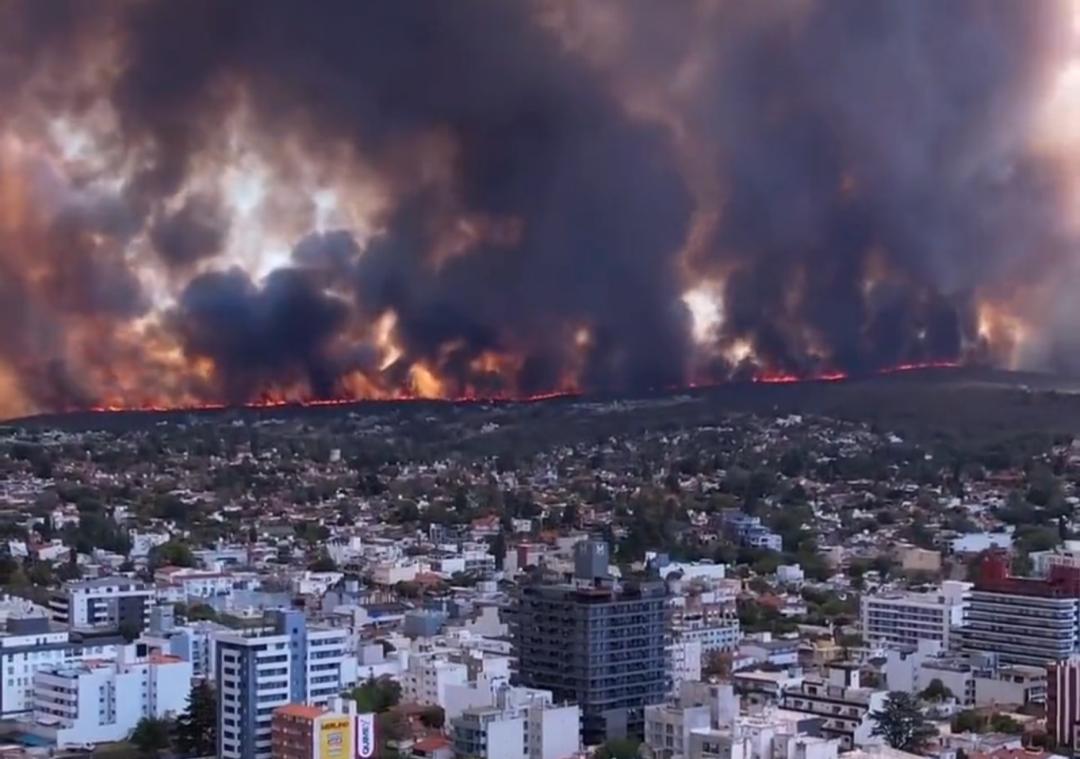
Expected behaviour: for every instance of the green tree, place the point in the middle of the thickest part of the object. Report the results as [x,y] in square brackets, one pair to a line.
[151,735]
[171,554]
[376,695]
[902,723]
[1003,723]
[969,721]
[618,748]
[196,728]
[936,691]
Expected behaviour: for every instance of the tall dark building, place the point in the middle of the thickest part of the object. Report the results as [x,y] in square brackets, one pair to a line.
[595,642]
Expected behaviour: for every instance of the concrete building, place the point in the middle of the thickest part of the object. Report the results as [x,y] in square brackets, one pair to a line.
[841,702]
[904,619]
[595,642]
[96,701]
[524,723]
[1063,703]
[915,559]
[1067,555]
[261,669]
[30,644]
[668,728]
[1023,620]
[975,680]
[710,620]
[749,532]
[686,661]
[428,679]
[117,603]
[301,731]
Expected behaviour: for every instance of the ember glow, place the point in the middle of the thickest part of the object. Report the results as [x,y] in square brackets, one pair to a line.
[265,202]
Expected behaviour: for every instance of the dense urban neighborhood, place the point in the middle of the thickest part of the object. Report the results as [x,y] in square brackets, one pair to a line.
[537,581]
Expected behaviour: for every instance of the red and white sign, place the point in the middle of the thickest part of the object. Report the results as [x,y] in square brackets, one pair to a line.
[365,736]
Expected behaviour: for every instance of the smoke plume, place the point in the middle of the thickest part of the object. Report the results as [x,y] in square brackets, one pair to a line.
[207,202]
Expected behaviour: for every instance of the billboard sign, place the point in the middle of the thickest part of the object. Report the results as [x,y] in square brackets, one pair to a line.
[365,736]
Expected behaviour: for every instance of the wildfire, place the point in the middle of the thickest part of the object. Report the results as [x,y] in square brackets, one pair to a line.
[784,378]
[764,377]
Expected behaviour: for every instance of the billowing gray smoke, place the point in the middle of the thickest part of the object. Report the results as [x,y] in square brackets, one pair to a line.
[856,173]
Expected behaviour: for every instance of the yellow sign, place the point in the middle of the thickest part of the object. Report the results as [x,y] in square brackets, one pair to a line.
[335,738]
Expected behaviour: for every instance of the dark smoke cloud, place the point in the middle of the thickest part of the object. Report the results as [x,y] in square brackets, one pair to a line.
[258,335]
[192,233]
[883,129]
[865,162]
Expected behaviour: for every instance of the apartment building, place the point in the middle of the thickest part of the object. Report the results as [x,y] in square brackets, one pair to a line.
[595,642]
[259,670]
[1063,703]
[668,728]
[114,602]
[904,619]
[524,723]
[708,618]
[97,701]
[841,702]
[975,680]
[301,731]
[1023,620]
[30,644]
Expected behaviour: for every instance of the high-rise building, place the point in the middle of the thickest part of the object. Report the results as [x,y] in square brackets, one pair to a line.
[1023,620]
[1063,702]
[259,670]
[596,642]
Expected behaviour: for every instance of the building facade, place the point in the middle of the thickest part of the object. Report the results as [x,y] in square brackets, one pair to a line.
[301,731]
[1023,620]
[841,702]
[596,643]
[116,603]
[1063,702]
[904,619]
[524,723]
[30,644]
[96,701]
[260,670]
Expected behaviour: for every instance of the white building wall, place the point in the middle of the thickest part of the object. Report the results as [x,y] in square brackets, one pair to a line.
[554,732]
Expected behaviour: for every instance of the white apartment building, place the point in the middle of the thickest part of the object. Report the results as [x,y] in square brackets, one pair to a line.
[686,659]
[30,644]
[428,678]
[1067,555]
[97,701]
[105,602]
[668,728]
[190,583]
[975,680]
[524,723]
[903,619]
[261,669]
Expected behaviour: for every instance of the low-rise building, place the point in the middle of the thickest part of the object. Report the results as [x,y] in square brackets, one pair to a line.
[841,702]
[114,602]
